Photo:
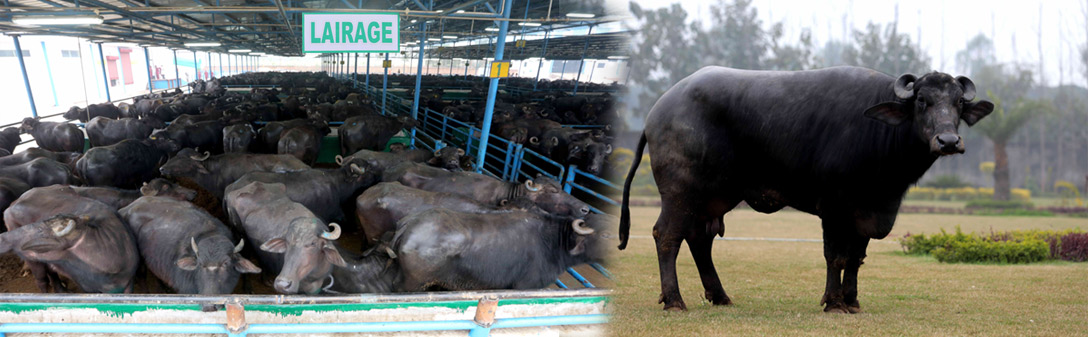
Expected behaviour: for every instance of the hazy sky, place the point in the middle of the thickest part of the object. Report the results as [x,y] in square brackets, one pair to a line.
[945,26]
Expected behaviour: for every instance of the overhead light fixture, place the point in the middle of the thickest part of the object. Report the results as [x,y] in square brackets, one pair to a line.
[258,54]
[239,51]
[448,37]
[14,33]
[414,21]
[459,11]
[618,57]
[581,15]
[491,29]
[433,39]
[438,11]
[41,20]
[202,44]
[529,24]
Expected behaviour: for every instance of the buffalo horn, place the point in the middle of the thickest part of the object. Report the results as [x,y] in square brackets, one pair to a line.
[201,158]
[968,87]
[238,248]
[192,241]
[67,228]
[529,184]
[334,234]
[904,86]
[579,226]
[357,170]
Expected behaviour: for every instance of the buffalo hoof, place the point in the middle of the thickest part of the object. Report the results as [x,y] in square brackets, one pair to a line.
[836,309]
[718,299]
[675,304]
[854,307]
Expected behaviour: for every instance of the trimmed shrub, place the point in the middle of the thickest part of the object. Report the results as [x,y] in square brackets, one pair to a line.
[1074,247]
[998,204]
[978,250]
[947,181]
[1000,247]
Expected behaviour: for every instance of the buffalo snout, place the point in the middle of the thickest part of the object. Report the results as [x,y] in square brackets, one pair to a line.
[946,144]
[285,286]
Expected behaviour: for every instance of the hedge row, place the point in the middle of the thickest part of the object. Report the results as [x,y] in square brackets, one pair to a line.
[962,193]
[1000,247]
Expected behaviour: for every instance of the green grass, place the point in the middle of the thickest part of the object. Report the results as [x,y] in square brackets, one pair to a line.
[1038,201]
[776,286]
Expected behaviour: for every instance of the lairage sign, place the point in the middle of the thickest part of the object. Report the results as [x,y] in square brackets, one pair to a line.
[350,32]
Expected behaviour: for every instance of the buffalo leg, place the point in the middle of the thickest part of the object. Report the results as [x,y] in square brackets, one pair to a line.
[854,258]
[835,254]
[668,236]
[41,276]
[700,244]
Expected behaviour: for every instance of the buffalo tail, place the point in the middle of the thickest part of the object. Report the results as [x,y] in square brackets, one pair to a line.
[625,210]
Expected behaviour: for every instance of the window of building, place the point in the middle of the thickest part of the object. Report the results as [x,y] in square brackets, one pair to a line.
[11,53]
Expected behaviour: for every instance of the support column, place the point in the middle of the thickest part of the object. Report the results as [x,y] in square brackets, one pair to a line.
[385,83]
[105,75]
[147,58]
[368,72]
[196,67]
[49,72]
[220,65]
[355,74]
[493,89]
[419,75]
[26,80]
[582,62]
[539,64]
[177,74]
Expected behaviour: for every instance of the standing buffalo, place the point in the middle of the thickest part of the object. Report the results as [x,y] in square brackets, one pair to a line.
[510,250]
[67,158]
[371,132]
[841,143]
[544,192]
[303,142]
[185,247]
[107,110]
[215,173]
[321,191]
[9,139]
[54,136]
[102,131]
[238,137]
[127,164]
[379,208]
[40,172]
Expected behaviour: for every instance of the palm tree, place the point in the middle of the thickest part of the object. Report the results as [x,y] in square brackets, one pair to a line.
[999,127]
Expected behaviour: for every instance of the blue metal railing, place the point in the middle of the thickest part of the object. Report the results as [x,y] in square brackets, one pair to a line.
[570,183]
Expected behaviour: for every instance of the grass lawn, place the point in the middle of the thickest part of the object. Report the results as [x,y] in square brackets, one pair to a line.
[776,286]
[1038,201]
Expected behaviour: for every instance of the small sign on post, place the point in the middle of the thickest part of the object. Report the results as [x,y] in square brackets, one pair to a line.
[520,44]
[500,69]
[350,32]
[387,63]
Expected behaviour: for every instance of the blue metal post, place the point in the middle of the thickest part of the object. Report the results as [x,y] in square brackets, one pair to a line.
[26,80]
[543,52]
[105,76]
[591,70]
[385,83]
[368,72]
[177,74]
[147,58]
[196,67]
[419,75]
[211,72]
[493,89]
[582,62]
[49,71]
[220,65]
[355,73]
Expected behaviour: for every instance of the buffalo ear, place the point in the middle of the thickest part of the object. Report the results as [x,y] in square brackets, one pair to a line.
[333,256]
[974,111]
[243,265]
[890,113]
[187,262]
[200,168]
[579,247]
[277,245]
[40,246]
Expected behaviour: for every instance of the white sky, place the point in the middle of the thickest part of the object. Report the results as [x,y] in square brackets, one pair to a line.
[945,26]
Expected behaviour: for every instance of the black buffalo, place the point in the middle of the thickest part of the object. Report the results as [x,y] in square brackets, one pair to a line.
[102,131]
[238,137]
[544,192]
[107,110]
[380,207]
[127,164]
[841,143]
[40,172]
[185,247]
[68,158]
[510,250]
[291,240]
[9,139]
[94,249]
[214,173]
[54,136]
[371,132]
[321,191]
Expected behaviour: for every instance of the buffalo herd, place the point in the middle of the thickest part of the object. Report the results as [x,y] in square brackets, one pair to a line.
[198,190]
